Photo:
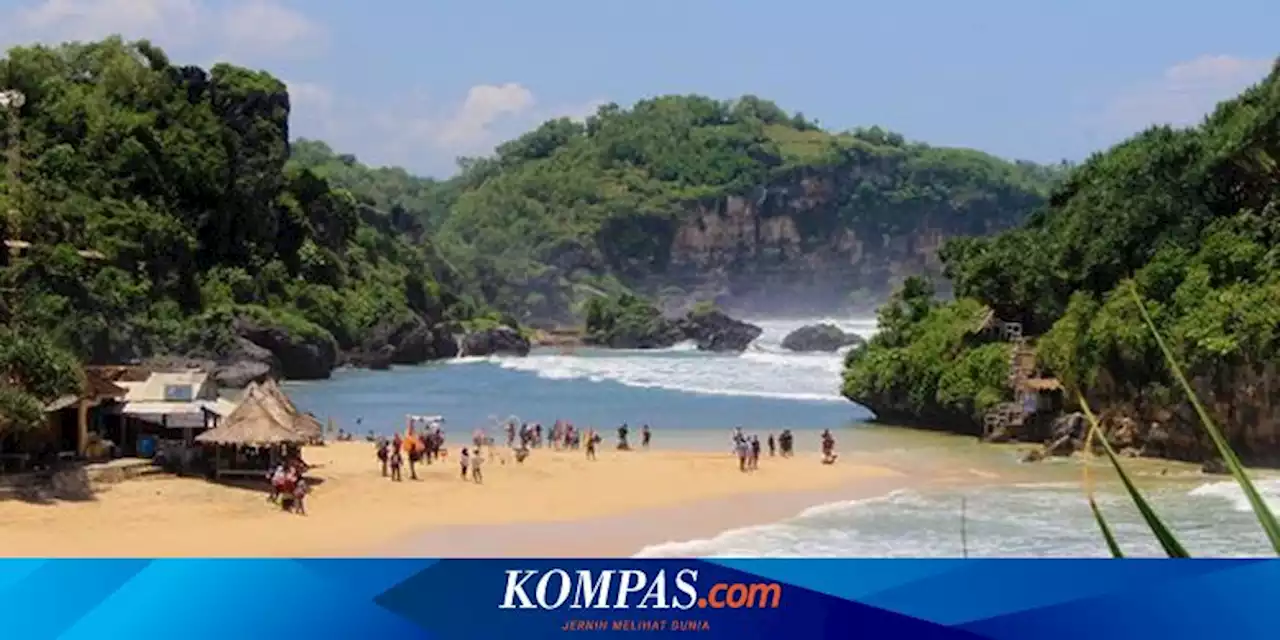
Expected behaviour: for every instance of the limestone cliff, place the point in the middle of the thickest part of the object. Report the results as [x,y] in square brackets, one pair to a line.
[734,201]
[800,245]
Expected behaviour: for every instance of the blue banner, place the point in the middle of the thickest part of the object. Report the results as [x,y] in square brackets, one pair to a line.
[406,599]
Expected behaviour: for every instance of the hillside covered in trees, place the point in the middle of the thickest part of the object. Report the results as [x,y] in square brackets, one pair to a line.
[1188,217]
[156,213]
[693,198]
[159,210]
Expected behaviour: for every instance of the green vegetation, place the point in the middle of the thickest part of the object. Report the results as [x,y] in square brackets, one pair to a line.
[160,205]
[32,372]
[628,321]
[927,365]
[1163,534]
[573,209]
[1191,218]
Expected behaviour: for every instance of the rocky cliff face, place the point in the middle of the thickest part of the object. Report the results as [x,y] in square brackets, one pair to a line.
[807,246]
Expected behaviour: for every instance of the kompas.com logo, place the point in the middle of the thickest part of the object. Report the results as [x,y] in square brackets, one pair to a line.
[613,589]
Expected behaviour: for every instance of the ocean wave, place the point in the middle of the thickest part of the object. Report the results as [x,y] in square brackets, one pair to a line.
[1229,491]
[813,532]
[764,370]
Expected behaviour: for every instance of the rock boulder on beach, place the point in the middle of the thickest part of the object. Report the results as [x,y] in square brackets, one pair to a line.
[819,337]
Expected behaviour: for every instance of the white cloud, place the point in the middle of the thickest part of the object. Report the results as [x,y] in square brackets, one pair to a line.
[310,96]
[1184,93]
[470,127]
[424,135]
[243,28]
[260,26]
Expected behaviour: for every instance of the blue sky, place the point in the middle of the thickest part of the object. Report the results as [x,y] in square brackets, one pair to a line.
[421,83]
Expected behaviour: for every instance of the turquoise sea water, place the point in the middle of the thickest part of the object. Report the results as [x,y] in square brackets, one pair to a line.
[693,400]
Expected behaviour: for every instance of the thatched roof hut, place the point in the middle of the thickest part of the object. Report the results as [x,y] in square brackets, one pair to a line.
[259,420]
[303,423]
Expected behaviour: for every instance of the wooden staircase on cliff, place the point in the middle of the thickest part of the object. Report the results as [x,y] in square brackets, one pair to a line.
[1009,416]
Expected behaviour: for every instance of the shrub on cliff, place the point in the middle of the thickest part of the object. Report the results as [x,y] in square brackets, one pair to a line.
[926,365]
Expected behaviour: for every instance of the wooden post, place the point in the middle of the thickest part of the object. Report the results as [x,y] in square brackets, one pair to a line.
[82,427]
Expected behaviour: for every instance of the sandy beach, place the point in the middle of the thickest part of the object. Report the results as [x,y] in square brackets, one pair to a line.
[354,511]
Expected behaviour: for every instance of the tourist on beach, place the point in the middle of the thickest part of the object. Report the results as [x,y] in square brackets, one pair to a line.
[276,478]
[737,439]
[592,438]
[828,447]
[755,452]
[622,437]
[511,434]
[396,462]
[645,436]
[743,451]
[384,455]
[415,456]
[300,490]
[786,442]
[772,445]
[537,435]
[476,459]
[463,459]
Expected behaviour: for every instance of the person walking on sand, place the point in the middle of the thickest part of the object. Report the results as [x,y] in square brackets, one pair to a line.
[772,446]
[828,447]
[476,460]
[742,450]
[300,490]
[755,452]
[384,453]
[396,462]
[463,459]
[276,478]
[592,438]
[645,436]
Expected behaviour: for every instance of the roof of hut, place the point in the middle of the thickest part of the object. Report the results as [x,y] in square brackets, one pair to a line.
[303,423]
[259,420]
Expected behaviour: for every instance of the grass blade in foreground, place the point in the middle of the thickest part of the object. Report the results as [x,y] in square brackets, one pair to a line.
[1260,508]
[1112,545]
[1163,535]
[1093,504]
